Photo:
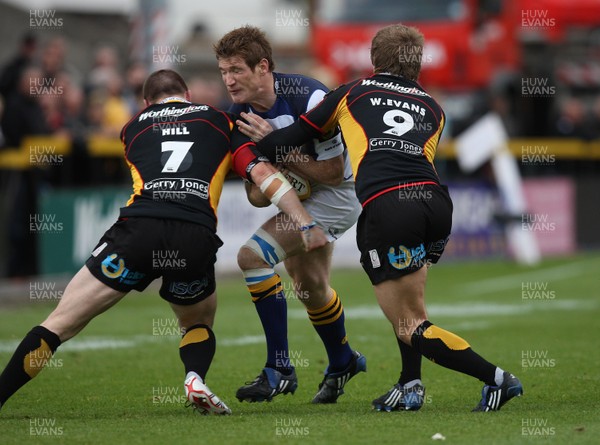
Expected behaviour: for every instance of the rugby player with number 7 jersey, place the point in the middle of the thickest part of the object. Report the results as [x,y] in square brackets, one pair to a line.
[179,154]
[392,126]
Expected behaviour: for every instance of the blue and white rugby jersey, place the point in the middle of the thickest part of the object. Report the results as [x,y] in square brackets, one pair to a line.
[297,94]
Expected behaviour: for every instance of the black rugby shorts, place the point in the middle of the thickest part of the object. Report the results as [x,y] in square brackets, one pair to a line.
[137,250]
[403,230]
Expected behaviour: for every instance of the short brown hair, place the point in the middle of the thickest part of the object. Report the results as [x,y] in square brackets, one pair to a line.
[398,49]
[163,82]
[248,42]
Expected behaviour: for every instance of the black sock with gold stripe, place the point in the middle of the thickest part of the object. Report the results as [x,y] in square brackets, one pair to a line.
[197,349]
[29,359]
[328,321]
[451,351]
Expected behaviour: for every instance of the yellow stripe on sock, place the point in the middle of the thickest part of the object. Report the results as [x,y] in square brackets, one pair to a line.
[328,320]
[451,340]
[334,310]
[197,335]
[274,291]
[264,286]
[334,300]
[35,361]
[328,313]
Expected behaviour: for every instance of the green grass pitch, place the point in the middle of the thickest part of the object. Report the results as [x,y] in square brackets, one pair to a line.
[120,380]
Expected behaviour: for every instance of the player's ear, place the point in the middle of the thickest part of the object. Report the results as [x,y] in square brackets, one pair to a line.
[188,96]
[263,66]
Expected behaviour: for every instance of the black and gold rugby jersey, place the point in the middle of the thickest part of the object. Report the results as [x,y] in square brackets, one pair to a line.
[179,154]
[391,127]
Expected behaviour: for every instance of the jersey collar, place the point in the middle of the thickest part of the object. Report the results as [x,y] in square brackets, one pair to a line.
[170,99]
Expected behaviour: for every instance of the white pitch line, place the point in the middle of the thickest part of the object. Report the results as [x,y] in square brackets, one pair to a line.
[468,325]
[241,341]
[90,343]
[514,281]
[93,344]
[366,312]
[466,309]
[101,343]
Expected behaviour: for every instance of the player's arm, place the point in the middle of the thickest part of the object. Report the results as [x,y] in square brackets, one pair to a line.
[324,163]
[255,196]
[273,185]
[328,171]
[255,128]
[278,190]
[316,123]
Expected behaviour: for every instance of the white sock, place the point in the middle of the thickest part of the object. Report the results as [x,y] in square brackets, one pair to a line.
[499,377]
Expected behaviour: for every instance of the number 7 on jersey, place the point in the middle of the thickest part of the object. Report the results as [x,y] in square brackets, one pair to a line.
[179,149]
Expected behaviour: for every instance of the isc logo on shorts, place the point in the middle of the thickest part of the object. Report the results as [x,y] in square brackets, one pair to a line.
[185,290]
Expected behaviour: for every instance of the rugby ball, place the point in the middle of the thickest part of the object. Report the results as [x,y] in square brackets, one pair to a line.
[300,185]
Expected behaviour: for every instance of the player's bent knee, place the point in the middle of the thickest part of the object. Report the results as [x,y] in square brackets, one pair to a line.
[202,312]
[193,315]
[260,251]
[205,319]
[247,259]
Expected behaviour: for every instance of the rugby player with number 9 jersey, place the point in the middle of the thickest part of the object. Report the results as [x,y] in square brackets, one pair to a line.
[392,126]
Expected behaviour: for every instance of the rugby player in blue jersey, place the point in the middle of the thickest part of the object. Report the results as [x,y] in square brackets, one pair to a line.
[322,175]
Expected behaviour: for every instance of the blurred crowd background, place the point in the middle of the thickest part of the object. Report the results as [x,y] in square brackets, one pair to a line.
[45,93]
[73,75]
